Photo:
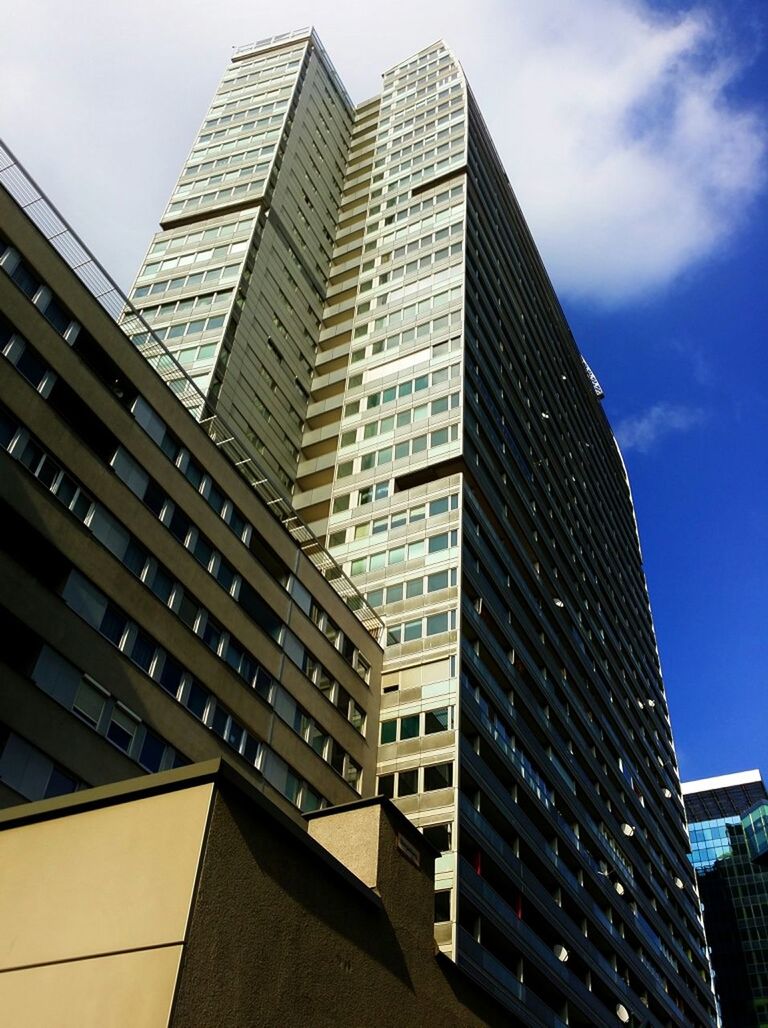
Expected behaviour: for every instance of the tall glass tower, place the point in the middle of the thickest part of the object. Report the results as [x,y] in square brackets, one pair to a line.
[727,818]
[391,341]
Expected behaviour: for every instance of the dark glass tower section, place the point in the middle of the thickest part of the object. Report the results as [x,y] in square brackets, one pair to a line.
[727,825]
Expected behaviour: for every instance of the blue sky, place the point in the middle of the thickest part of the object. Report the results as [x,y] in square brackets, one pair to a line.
[633,132]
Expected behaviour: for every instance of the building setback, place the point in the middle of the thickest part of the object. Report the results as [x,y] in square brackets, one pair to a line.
[438,428]
[158,608]
[727,818]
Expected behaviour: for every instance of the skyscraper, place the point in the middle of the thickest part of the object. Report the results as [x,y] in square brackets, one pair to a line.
[726,823]
[356,289]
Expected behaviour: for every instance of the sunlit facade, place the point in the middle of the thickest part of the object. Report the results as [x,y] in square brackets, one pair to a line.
[392,345]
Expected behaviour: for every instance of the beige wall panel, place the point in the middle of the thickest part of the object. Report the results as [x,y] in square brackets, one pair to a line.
[128,990]
[109,879]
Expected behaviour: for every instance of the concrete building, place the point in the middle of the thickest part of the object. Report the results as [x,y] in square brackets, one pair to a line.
[727,818]
[391,343]
[160,604]
[184,900]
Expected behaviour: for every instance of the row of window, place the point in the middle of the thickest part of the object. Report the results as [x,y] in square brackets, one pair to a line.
[186,306]
[384,299]
[369,494]
[225,162]
[30,772]
[270,135]
[266,107]
[257,68]
[403,389]
[409,447]
[218,196]
[250,128]
[415,780]
[433,220]
[413,587]
[397,519]
[197,235]
[431,152]
[189,185]
[195,257]
[415,311]
[103,712]
[429,110]
[405,186]
[421,628]
[199,278]
[270,82]
[414,266]
[406,551]
[424,144]
[412,726]
[401,420]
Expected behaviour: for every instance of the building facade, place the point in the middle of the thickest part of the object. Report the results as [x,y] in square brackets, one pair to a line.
[727,816]
[159,608]
[391,342]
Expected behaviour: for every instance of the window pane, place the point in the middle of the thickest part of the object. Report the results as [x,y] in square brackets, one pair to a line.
[387,785]
[437,623]
[436,721]
[408,782]
[438,776]
[89,703]
[439,836]
[442,906]
[122,729]
[409,727]
[412,630]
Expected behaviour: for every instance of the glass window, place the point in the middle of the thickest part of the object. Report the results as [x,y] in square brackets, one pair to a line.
[414,588]
[438,776]
[436,581]
[436,720]
[89,703]
[438,542]
[412,630]
[389,731]
[387,785]
[442,906]
[409,726]
[439,836]
[437,623]
[121,730]
[408,782]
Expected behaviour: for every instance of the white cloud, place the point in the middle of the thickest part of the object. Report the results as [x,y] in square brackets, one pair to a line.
[642,431]
[630,159]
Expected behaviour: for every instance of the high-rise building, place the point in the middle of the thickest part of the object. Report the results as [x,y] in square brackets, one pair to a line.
[727,818]
[356,289]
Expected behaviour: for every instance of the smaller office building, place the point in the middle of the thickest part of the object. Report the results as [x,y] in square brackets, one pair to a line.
[161,603]
[186,900]
[727,823]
